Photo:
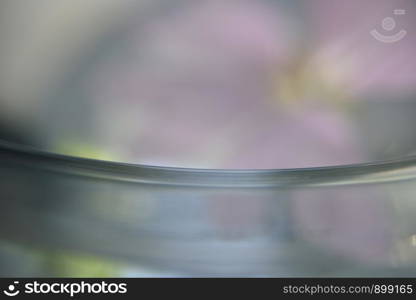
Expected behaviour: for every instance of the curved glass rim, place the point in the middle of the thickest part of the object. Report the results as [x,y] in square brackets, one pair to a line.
[337,175]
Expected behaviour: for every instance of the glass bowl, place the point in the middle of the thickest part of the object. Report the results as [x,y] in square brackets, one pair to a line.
[258,85]
[355,220]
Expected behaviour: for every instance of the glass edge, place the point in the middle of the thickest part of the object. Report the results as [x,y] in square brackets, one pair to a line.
[361,173]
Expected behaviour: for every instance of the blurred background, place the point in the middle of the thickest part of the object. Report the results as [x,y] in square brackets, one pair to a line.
[245,84]
[241,84]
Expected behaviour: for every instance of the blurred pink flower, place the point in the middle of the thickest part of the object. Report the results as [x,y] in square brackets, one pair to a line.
[201,84]
[341,34]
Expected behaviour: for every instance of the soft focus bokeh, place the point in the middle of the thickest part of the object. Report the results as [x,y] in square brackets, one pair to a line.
[211,84]
[240,84]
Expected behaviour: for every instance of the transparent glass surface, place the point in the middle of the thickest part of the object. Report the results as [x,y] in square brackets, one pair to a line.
[207,138]
[342,221]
